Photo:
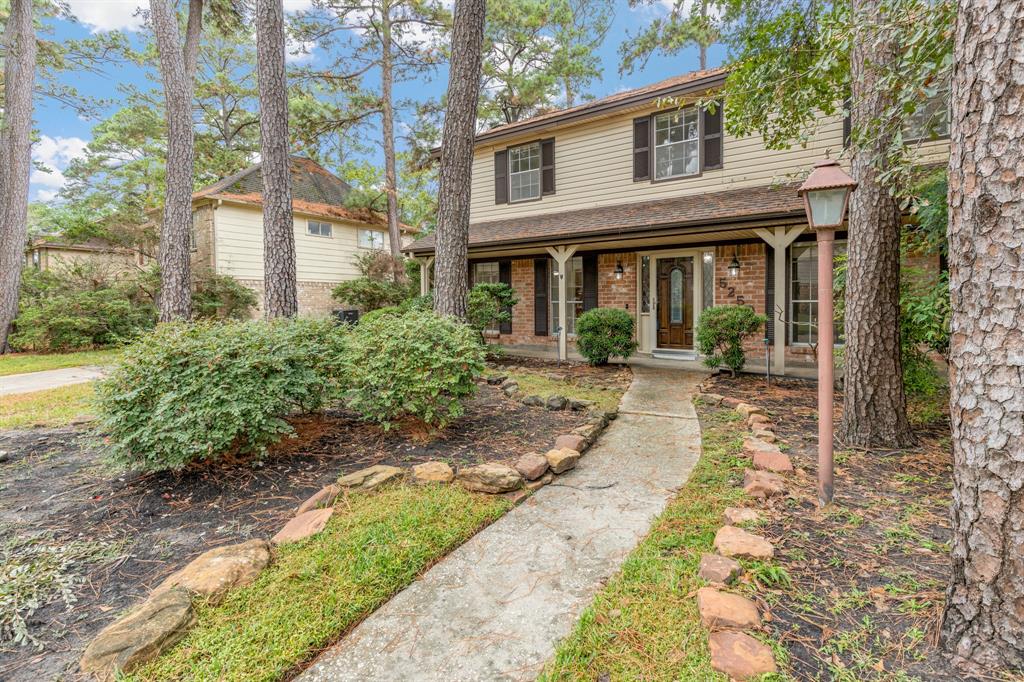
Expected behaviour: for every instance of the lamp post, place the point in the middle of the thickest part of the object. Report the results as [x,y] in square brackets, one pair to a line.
[826,194]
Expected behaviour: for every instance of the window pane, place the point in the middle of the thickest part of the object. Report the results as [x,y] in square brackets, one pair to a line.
[645,284]
[707,282]
[676,150]
[803,272]
[676,295]
[486,273]
[574,291]
[524,172]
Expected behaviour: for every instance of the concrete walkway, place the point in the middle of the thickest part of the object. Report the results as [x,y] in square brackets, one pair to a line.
[51,378]
[496,607]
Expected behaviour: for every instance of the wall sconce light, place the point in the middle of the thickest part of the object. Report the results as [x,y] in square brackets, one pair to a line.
[619,270]
[734,265]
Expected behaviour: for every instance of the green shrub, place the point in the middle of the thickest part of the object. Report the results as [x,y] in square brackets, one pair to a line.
[417,365]
[222,297]
[604,332]
[721,331]
[191,392]
[388,311]
[490,304]
[83,307]
[377,286]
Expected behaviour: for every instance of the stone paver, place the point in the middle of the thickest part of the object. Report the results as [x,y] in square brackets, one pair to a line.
[495,608]
[52,378]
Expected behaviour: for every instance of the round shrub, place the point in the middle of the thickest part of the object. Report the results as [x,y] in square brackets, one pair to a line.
[721,330]
[388,311]
[191,392]
[604,332]
[417,365]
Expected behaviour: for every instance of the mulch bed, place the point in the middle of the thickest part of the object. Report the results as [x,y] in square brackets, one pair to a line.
[869,573]
[55,482]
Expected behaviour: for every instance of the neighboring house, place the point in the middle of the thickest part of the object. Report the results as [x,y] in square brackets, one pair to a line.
[228,231]
[51,253]
[645,207]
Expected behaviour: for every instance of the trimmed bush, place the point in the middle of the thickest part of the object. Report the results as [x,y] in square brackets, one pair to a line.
[417,365]
[376,287]
[604,332]
[192,392]
[721,331]
[490,304]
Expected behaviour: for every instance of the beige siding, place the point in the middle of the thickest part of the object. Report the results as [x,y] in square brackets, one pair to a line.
[239,246]
[594,167]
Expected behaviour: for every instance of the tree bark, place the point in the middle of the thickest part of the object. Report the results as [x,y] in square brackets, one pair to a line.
[984,621]
[451,270]
[280,297]
[15,157]
[388,127]
[177,70]
[875,405]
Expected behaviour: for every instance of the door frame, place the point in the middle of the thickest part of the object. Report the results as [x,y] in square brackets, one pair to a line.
[651,330]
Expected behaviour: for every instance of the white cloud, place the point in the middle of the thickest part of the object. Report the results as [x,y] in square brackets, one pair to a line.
[55,153]
[109,15]
[298,51]
[297,5]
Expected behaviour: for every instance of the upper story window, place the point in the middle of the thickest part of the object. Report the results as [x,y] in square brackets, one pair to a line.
[930,120]
[371,239]
[318,228]
[524,172]
[676,144]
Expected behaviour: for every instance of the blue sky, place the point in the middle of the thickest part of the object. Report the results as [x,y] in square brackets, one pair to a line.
[64,135]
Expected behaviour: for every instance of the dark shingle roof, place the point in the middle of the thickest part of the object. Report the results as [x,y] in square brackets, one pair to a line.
[310,182]
[693,210]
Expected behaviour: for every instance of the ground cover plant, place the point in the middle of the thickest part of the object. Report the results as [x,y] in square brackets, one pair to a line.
[20,363]
[315,590]
[167,518]
[867,575]
[644,624]
[52,407]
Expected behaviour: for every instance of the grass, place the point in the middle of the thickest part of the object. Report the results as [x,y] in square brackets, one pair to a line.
[644,624]
[52,407]
[534,384]
[315,590]
[19,363]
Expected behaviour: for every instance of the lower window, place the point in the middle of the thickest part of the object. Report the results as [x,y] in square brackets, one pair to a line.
[574,295]
[486,273]
[803,294]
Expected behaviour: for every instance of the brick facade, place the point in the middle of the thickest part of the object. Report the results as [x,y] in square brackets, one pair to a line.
[314,297]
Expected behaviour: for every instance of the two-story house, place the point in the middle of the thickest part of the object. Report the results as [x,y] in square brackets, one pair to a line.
[631,202]
[227,236]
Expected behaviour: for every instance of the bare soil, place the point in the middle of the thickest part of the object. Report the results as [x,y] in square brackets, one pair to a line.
[55,486]
[869,572]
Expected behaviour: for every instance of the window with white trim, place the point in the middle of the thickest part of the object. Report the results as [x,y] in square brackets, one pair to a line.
[803,294]
[574,294]
[318,228]
[371,239]
[676,144]
[524,172]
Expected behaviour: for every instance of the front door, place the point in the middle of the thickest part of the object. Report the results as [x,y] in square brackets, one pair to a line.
[675,302]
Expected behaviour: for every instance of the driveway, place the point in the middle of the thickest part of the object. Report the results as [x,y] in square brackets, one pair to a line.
[51,378]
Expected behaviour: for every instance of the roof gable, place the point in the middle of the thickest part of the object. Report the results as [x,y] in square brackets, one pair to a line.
[311,183]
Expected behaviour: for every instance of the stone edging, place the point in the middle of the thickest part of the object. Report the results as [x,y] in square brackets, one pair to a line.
[728,616]
[153,627]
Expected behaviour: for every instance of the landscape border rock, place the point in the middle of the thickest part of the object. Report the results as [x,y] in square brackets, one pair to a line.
[220,569]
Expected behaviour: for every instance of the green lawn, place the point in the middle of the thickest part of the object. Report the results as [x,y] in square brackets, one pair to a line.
[53,407]
[535,384]
[19,363]
[316,589]
[644,624]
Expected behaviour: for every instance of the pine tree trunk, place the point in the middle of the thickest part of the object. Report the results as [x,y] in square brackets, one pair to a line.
[15,157]
[280,297]
[388,126]
[875,406]
[984,620]
[451,270]
[177,70]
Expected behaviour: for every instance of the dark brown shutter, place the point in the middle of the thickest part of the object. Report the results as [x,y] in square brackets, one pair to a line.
[711,129]
[589,281]
[769,292]
[505,277]
[501,177]
[547,166]
[641,149]
[540,296]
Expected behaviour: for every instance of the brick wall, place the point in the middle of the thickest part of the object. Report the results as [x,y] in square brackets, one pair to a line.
[314,297]
[617,293]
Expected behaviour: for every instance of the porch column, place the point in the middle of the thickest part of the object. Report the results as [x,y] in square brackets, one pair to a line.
[779,238]
[562,254]
[425,264]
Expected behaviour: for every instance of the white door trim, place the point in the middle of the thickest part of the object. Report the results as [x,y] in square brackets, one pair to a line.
[698,273]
